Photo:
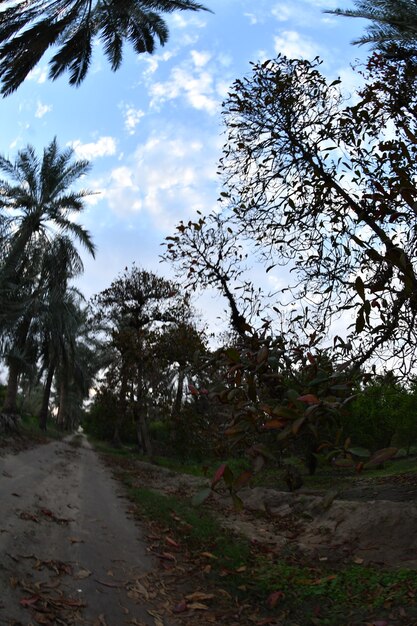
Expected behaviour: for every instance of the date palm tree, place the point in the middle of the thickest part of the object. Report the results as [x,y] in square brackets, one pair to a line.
[28,28]
[393,22]
[38,204]
[58,319]
[36,199]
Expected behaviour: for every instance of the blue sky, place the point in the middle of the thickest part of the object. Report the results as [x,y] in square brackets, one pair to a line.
[153,130]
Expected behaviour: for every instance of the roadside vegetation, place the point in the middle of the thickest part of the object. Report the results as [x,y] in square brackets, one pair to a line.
[251,578]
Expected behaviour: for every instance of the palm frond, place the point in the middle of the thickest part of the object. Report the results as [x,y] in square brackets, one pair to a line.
[28,29]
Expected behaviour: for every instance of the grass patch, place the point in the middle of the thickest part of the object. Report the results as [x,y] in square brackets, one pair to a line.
[30,427]
[313,594]
[349,588]
[195,527]
[309,593]
[107,448]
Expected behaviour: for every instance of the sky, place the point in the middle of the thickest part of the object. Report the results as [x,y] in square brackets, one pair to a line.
[153,130]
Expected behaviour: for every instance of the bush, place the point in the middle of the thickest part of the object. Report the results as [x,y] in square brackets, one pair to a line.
[383,413]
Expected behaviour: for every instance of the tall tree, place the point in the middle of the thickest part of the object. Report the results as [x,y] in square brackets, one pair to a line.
[59,324]
[133,308]
[36,202]
[393,22]
[320,187]
[29,29]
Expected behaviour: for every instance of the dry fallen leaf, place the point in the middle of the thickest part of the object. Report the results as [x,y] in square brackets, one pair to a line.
[75,540]
[82,573]
[157,618]
[198,606]
[44,618]
[197,596]
[140,589]
[110,583]
[209,555]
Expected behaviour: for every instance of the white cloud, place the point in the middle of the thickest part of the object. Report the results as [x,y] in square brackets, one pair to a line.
[42,109]
[200,59]
[253,19]
[123,192]
[181,20]
[105,146]
[295,46]
[283,12]
[167,178]
[153,61]
[199,79]
[132,117]
[38,74]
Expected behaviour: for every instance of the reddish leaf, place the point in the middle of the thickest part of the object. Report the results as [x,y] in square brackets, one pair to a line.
[242,480]
[219,474]
[274,424]
[28,602]
[311,358]
[193,390]
[385,454]
[274,598]
[309,398]
[108,583]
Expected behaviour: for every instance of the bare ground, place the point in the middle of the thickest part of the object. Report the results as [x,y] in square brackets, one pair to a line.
[372,523]
[73,554]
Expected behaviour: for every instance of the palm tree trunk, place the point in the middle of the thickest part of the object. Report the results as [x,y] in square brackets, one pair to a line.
[122,410]
[43,414]
[176,408]
[10,401]
[142,430]
[62,410]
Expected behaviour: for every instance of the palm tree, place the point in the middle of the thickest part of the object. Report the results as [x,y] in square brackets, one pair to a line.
[35,198]
[58,320]
[28,29]
[393,22]
[38,205]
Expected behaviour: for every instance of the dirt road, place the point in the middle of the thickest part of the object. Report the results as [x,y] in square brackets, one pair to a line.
[70,553]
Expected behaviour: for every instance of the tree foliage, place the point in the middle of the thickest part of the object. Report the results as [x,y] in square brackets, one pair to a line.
[144,317]
[29,29]
[39,258]
[393,23]
[324,188]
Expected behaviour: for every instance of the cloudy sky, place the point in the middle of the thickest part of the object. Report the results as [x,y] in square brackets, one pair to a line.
[153,130]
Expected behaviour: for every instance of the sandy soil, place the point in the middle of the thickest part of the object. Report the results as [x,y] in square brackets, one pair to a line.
[71,552]
[370,523]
